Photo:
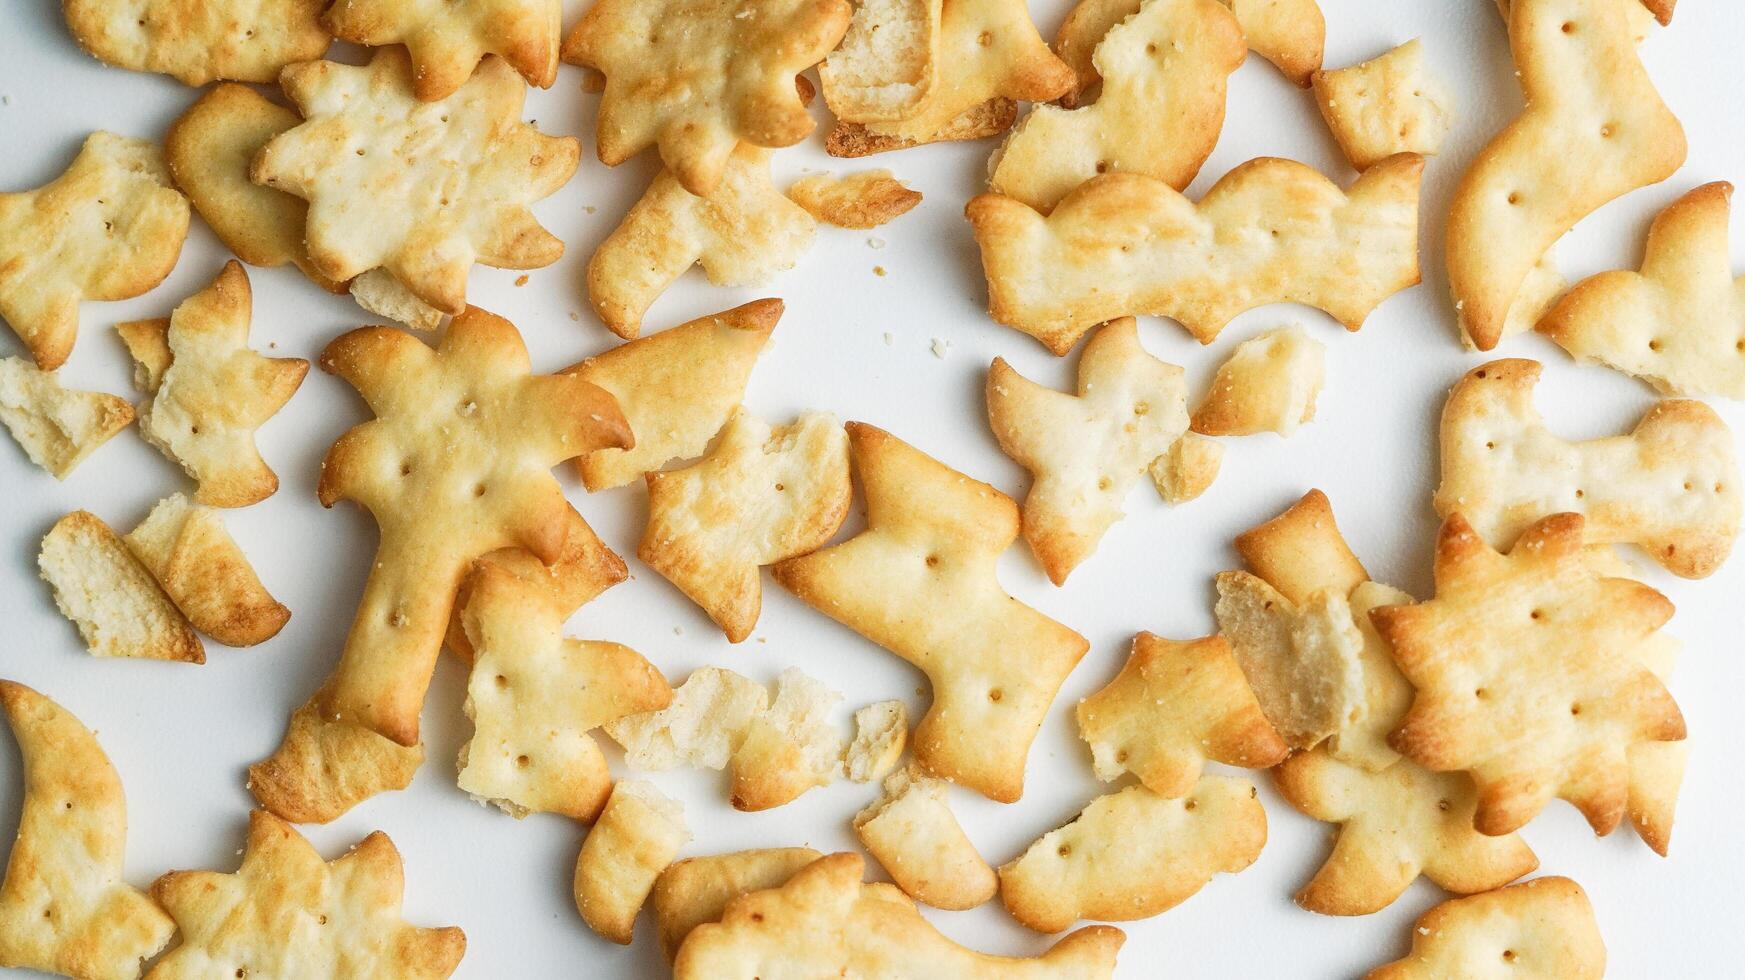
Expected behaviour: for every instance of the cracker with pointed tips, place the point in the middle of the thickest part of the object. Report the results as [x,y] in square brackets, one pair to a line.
[911,831]
[788,748]
[697,890]
[1135,854]
[111,596]
[881,733]
[1268,384]
[421,189]
[1387,105]
[761,496]
[1304,660]
[920,581]
[1270,231]
[1053,150]
[1542,929]
[57,427]
[198,41]
[323,768]
[863,200]
[636,838]
[1288,33]
[1526,676]
[241,921]
[825,922]
[109,228]
[703,725]
[1593,128]
[448,40]
[1174,706]
[1671,485]
[695,78]
[64,906]
[1187,469]
[200,567]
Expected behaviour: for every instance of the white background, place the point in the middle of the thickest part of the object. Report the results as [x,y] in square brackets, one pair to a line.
[181,735]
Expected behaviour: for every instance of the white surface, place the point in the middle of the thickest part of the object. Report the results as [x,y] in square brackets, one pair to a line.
[181,736]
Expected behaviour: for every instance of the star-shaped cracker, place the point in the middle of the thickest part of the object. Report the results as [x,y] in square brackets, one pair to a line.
[697,77]
[1542,929]
[56,426]
[920,581]
[448,38]
[109,228]
[64,906]
[286,912]
[1086,451]
[246,40]
[422,189]
[1525,676]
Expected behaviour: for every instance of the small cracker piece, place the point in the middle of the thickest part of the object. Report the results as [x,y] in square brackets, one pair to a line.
[1270,231]
[57,427]
[1135,854]
[990,118]
[788,748]
[911,831]
[860,200]
[200,567]
[380,293]
[110,596]
[703,725]
[881,733]
[1188,469]
[1672,485]
[1304,660]
[1288,33]
[635,840]
[1542,929]
[448,40]
[323,768]
[243,921]
[109,228]
[196,43]
[697,890]
[1387,105]
[887,62]
[64,906]
[1268,384]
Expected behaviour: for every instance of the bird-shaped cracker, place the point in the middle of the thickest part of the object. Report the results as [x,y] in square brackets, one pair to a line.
[1288,33]
[920,581]
[1542,929]
[245,40]
[109,228]
[64,907]
[287,913]
[422,189]
[448,38]
[1086,450]
[1525,674]
[697,77]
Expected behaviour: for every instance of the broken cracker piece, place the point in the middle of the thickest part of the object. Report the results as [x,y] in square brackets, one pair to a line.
[1387,105]
[911,831]
[1544,929]
[199,565]
[380,293]
[244,40]
[57,427]
[881,733]
[789,747]
[1187,469]
[448,40]
[862,200]
[110,596]
[636,838]
[1288,33]
[1304,660]
[1268,384]
[697,890]
[703,726]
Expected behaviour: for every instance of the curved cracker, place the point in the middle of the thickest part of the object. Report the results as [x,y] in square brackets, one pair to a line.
[635,840]
[1542,929]
[1389,104]
[448,40]
[199,41]
[199,565]
[911,831]
[697,890]
[1268,384]
[56,427]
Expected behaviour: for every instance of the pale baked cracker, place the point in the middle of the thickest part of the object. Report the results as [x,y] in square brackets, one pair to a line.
[1135,854]
[696,890]
[189,553]
[1288,33]
[636,838]
[447,39]
[789,747]
[1542,929]
[1672,485]
[108,228]
[703,725]
[110,596]
[56,427]
[323,768]
[1539,292]
[1593,128]
[1389,104]
[380,293]
[1643,16]
[1187,469]
[910,830]
[920,581]
[881,733]
[1270,231]
[887,63]
[64,905]
[1303,660]
[286,912]
[199,41]
[1267,384]
[860,200]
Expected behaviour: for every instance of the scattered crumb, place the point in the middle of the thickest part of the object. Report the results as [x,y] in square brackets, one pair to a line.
[763,639]
[589,208]
[575,317]
[521,280]
[678,631]
[878,270]
[941,347]
[875,242]
[5,100]
[272,345]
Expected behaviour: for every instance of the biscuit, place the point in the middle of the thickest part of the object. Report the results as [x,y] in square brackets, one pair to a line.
[448,40]
[1387,105]
[636,838]
[860,200]
[881,733]
[789,747]
[1268,384]
[1288,33]
[1542,929]
[703,725]
[911,831]
[199,42]
[1187,469]
[323,768]
[189,553]
[110,595]
[1304,660]
[696,890]
[56,427]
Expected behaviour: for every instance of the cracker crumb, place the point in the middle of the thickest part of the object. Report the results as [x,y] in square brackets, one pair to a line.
[5,100]
[678,631]
[888,338]
[521,280]
[878,270]
[575,317]
[875,242]
[589,208]
[941,347]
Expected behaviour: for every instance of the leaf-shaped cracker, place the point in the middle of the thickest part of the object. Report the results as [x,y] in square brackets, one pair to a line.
[1288,33]
[64,907]
[697,890]
[1525,676]
[1086,451]
[110,595]
[911,831]
[1175,705]
[422,189]
[286,912]
[188,551]
[1053,150]
[697,77]
[637,836]
[109,228]
[1270,231]
[1387,105]
[1542,929]
[1593,128]
[920,581]
[1671,485]
[825,921]
[198,41]
[448,38]
[1135,854]
[57,427]
[1268,384]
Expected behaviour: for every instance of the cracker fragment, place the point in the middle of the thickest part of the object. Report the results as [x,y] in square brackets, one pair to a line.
[788,748]
[1288,33]
[911,831]
[697,890]
[861,200]
[110,596]
[1135,854]
[1671,485]
[920,581]
[1542,929]
[64,906]
[189,553]
[57,427]
[1387,105]
[1303,660]
[990,118]
[1187,469]
[636,838]
[448,40]
[1269,231]
[881,733]
[323,768]
[108,228]
[1268,384]
[1539,292]
[380,293]
[196,43]
[703,725]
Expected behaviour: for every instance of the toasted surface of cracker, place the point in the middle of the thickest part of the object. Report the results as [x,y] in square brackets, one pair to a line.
[198,41]
[200,567]
[1288,33]
[861,200]
[1268,384]
[911,831]
[1387,105]
[323,768]
[447,40]
[697,890]
[636,838]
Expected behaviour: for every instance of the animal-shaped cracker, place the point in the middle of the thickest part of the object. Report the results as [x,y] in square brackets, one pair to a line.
[245,40]
[1053,150]
[1175,705]
[1288,33]
[761,496]
[111,596]
[911,830]
[1593,128]
[881,733]
[200,567]
[1525,674]
[825,922]
[920,582]
[1268,384]
[1387,105]
[64,906]
[703,726]
[1679,324]
[1270,231]
[109,228]
[56,427]
[1671,485]
[421,189]
[742,233]
[637,836]
[1542,929]
[1135,854]
[1303,660]
[286,912]
[1085,451]
[695,78]
[448,40]
[788,748]
[862,200]
[696,890]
